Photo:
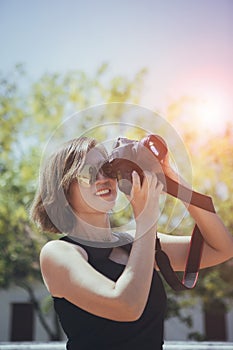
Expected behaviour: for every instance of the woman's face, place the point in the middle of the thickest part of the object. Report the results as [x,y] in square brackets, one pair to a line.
[99,196]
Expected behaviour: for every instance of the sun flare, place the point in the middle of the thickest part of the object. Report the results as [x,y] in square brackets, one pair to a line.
[212,112]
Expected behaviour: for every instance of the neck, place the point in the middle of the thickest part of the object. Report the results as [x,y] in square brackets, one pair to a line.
[94,228]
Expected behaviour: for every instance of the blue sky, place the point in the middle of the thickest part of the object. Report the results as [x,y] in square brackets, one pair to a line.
[186,45]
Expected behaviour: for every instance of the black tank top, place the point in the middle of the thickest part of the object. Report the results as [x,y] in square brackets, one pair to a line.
[86,331]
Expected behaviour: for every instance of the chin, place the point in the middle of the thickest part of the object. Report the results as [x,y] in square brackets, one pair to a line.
[107,206]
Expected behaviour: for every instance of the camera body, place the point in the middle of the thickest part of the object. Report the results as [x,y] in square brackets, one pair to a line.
[129,155]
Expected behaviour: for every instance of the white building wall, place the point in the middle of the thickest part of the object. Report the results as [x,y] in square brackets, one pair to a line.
[174,329]
[19,295]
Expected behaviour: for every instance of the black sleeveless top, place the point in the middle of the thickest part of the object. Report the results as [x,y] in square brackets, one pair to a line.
[86,331]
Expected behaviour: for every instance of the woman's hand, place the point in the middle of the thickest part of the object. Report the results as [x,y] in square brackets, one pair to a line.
[171,173]
[167,169]
[144,199]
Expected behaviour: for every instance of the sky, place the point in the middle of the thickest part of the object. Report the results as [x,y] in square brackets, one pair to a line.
[186,45]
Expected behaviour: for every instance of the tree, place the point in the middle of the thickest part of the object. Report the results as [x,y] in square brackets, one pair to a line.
[29,113]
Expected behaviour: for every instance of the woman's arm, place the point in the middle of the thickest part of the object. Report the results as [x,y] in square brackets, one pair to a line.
[218,242]
[67,273]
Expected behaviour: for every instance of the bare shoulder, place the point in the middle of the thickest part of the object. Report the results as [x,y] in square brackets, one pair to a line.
[57,250]
[52,246]
[59,259]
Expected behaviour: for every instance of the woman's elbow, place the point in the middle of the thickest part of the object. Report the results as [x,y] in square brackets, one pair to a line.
[129,314]
[129,310]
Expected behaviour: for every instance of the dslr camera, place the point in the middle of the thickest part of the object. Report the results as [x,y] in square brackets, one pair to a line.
[131,155]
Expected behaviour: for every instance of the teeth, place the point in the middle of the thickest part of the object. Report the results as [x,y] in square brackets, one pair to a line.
[99,193]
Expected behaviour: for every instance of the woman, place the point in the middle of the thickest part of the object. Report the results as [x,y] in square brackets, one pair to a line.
[106,290]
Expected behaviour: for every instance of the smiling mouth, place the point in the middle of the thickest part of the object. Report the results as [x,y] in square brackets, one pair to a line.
[103,192]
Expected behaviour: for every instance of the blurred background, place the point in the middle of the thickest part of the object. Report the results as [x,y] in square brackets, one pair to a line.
[173,57]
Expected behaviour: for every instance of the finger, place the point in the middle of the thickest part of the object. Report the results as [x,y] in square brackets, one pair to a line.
[166,162]
[147,178]
[136,180]
[136,183]
[152,180]
[159,186]
[155,185]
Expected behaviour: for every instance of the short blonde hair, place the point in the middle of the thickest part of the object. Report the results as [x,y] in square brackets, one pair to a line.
[50,208]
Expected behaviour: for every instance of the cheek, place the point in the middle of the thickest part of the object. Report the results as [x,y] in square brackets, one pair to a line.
[114,184]
[80,198]
[74,195]
[115,188]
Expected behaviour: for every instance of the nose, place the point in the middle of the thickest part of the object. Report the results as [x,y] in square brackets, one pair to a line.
[101,176]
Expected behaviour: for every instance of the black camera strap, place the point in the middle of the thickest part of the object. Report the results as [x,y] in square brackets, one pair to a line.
[129,155]
[196,245]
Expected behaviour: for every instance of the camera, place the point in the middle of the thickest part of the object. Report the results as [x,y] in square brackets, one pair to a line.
[129,155]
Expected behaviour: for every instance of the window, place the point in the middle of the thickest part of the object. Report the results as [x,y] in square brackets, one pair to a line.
[22,322]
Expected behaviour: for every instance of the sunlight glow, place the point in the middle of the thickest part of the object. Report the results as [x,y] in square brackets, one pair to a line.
[212,112]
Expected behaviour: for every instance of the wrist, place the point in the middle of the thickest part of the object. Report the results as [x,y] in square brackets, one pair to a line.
[146,230]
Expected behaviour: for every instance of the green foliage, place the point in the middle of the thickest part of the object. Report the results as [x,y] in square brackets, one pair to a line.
[29,114]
